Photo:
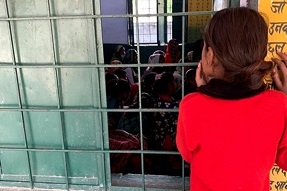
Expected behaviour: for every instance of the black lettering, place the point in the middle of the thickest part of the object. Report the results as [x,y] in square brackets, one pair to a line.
[280,185]
[274,47]
[277,7]
[277,27]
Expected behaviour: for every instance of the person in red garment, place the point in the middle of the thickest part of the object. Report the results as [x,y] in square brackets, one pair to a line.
[234,128]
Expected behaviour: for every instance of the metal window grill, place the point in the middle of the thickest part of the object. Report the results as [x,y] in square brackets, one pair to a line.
[54,125]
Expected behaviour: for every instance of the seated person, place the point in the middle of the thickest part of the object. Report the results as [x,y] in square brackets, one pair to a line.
[118,53]
[118,92]
[164,127]
[130,121]
[189,82]
[126,162]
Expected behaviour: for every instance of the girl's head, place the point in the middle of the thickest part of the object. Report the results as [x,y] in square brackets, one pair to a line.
[119,51]
[120,73]
[159,52]
[131,57]
[155,59]
[235,45]
[149,80]
[172,52]
[112,69]
[165,85]
[119,89]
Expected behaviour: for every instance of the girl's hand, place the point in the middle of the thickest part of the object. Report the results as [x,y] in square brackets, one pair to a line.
[200,77]
[280,82]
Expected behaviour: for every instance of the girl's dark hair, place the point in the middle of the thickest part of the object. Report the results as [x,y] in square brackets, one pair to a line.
[110,76]
[197,50]
[161,85]
[117,86]
[158,69]
[149,79]
[117,51]
[120,73]
[238,37]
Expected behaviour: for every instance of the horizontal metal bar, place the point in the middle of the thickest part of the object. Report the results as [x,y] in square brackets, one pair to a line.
[87,65]
[107,16]
[46,109]
[16,185]
[88,150]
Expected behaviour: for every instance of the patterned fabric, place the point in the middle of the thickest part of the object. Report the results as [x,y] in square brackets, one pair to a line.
[164,128]
[130,121]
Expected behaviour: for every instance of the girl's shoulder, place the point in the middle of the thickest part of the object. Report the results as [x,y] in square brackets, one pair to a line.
[276,93]
[192,97]
[275,96]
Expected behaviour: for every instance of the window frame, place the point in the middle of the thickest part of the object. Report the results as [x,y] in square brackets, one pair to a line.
[162,25]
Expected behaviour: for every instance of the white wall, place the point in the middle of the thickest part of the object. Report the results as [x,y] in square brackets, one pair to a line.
[115,30]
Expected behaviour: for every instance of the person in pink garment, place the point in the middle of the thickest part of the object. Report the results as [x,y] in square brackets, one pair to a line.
[233,129]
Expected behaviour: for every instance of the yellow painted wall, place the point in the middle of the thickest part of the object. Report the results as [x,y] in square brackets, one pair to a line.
[196,23]
[276,10]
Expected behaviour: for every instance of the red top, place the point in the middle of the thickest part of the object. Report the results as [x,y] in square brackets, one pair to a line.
[233,144]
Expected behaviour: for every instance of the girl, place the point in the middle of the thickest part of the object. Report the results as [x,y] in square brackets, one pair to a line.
[234,129]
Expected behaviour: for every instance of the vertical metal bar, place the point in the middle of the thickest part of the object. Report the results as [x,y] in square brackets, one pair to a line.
[140,90]
[17,71]
[105,173]
[165,22]
[59,94]
[182,76]
[161,21]
[140,103]
[130,23]
[227,4]
[183,28]
[183,48]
